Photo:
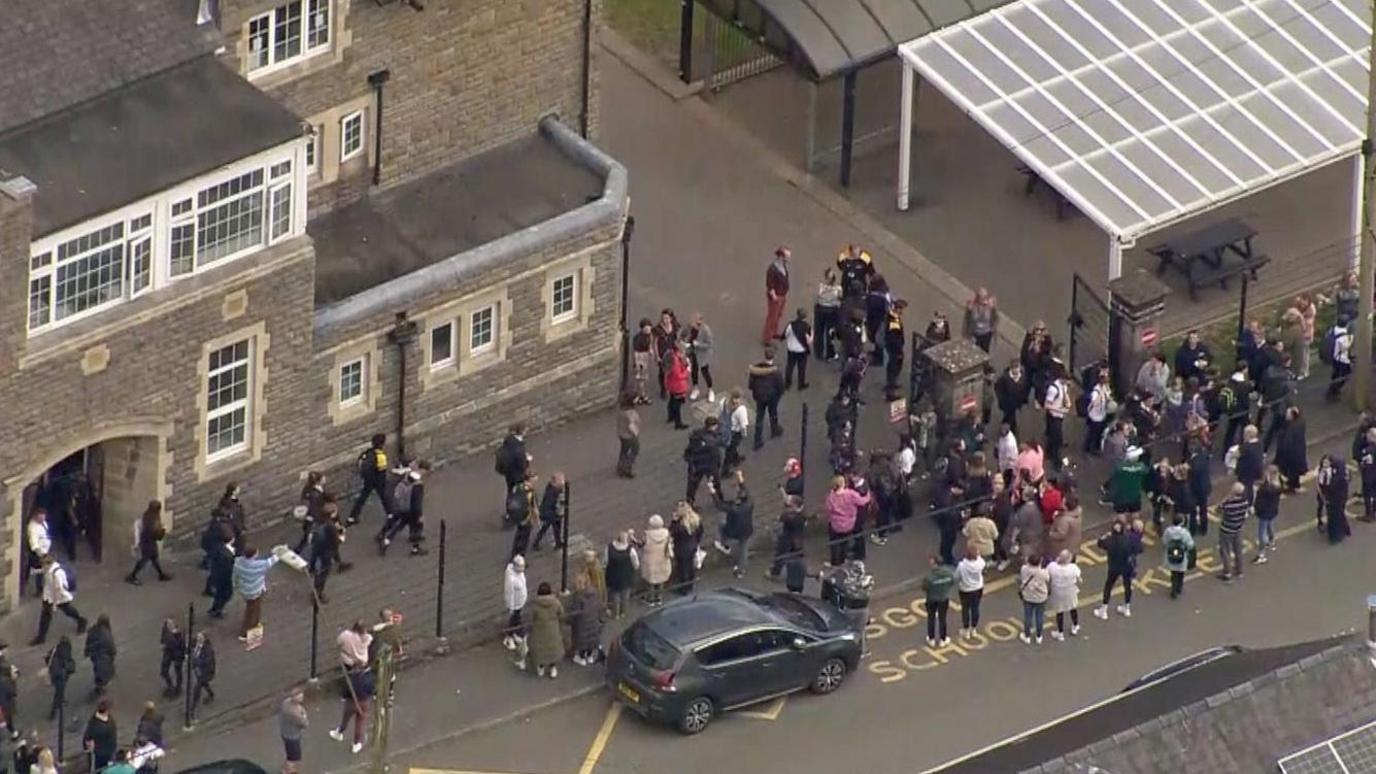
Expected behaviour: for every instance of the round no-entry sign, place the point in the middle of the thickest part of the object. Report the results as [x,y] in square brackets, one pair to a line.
[967,404]
[1149,337]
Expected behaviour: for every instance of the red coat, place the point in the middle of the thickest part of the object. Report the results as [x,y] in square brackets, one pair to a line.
[676,378]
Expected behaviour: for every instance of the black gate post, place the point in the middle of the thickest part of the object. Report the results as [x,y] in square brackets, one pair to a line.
[1074,320]
[564,539]
[441,642]
[315,635]
[1242,308]
[802,451]
[61,726]
[847,126]
[685,40]
[626,232]
[190,672]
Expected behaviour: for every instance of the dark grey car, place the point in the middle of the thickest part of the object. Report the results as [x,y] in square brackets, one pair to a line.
[719,650]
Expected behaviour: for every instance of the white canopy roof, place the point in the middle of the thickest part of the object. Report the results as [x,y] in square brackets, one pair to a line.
[1145,112]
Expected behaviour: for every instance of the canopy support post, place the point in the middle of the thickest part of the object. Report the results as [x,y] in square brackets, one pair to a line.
[1115,258]
[685,40]
[847,126]
[1358,184]
[905,136]
[810,145]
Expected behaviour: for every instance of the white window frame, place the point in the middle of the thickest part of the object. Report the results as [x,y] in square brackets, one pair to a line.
[151,221]
[557,317]
[361,364]
[315,144]
[474,348]
[308,10]
[344,152]
[448,361]
[245,404]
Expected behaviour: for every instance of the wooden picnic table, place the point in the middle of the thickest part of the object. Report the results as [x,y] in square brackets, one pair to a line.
[1206,255]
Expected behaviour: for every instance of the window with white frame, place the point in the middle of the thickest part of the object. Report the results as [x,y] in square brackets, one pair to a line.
[288,33]
[350,135]
[85,273]
[563,299]
[442,345]
[87,268]
[352,387]
[228,413]
[482,330]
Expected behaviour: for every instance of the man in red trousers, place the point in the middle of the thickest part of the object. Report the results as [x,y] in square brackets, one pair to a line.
[776,293]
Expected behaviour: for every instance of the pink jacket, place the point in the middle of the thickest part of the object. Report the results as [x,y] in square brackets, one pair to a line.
[1031,460]
[842,507]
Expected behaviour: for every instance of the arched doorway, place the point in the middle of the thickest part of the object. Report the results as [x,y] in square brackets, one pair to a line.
[93,497]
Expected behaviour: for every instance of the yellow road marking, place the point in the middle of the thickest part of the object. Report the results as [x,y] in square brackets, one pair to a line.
[452,771]
[770,712]
[599,743]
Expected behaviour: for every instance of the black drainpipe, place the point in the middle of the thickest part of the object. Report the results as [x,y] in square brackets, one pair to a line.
[402,334]
[376,80]
[587,67]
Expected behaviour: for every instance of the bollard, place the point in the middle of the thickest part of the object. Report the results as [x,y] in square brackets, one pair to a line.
[190,637]
[802,448]
[315,635]
[61,725]
[564,552]
[441,642]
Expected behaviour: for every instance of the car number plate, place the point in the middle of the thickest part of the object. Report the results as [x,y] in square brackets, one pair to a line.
[628,692]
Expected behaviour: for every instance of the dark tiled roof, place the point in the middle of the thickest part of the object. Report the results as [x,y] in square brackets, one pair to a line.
[1234,714]
[142,139]
[57,53]
[447,212]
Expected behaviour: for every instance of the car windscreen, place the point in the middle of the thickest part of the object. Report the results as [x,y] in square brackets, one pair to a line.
[648,647]
[796,611]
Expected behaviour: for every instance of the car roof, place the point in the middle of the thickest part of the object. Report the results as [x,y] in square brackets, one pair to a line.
[709,614]
[231,766]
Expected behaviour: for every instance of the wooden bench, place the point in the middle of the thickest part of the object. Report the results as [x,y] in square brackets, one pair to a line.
[1202,273]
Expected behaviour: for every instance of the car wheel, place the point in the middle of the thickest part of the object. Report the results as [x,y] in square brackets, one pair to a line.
[697,714]
[830,676]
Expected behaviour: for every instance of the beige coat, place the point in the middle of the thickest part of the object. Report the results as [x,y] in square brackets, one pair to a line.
[1064,534]
[656,556]
[980,534]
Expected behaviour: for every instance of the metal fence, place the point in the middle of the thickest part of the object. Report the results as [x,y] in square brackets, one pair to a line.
[731,53]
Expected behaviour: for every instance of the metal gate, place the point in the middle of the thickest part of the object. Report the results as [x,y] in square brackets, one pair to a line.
[1091,330]
[732,53]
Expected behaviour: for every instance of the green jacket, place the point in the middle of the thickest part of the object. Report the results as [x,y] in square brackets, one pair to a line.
[939,582]
[1126,484]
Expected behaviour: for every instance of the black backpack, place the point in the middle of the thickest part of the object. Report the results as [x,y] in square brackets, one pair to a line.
[517,505]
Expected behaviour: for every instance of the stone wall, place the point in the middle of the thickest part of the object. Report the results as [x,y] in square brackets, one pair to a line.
[465,77]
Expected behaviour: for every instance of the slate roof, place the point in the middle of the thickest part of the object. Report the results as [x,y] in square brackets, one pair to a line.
[1236,714]
[141,139]
[57,53]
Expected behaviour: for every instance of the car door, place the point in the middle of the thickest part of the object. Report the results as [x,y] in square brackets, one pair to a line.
[735,669]
[788,666]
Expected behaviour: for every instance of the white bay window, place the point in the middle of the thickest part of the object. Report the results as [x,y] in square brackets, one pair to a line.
[149,244]
[291,32]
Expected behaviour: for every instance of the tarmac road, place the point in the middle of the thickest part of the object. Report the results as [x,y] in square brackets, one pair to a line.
[911,707]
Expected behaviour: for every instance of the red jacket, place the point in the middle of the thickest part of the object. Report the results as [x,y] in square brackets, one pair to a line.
[676,378]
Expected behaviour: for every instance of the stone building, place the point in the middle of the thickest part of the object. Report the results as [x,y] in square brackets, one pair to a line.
[212,215]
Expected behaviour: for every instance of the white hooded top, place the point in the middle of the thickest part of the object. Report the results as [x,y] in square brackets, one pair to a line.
[514,588]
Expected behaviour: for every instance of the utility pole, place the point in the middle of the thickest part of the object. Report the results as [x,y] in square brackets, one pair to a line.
[1366,270]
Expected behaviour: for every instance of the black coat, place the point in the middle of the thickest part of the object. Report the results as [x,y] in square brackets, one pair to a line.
[203,661]
[552,503]
[61,664]
[1291,455]
[703,453]
[1122,551]
[740,514]
[102,736]
[511,459]
[1201,484]
[173,645]
[766,383]
[222,572]
[620,573]
[1012,394]
[1251,463]
[100,649]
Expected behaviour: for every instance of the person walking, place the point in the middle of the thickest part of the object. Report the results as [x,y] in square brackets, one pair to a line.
[173,641]
[1292,450]
[1057,405]
[666,335]
[149,729]
[101,737]
[843,505]
[148,534]
[623,562]
[1011,391]
[38,543]
[57,595]
[734,423]
[776,293]
[1338,344]
[676,386]
[552,510]
[61,665]
[1066,528]
[981,319]
[685,531]
[826,313]
[1034,586]
[327,541]
[733,536]
[202,670]
[514,596]
[1097,414]
[937,585]
[797,345]
[895,343]
[309,512]
[408,499]
[371,466]
[292,721]
[788,544]
[697,338]
[546,636]
[703,455]
[251,581]
[1121,549]
[970,587]
[1178,553]
[1064,596]
[1365,452]
[512,462]
[220,581]
[1266,507]
[766,387]
[360,686]
[1232,515]
[585,622]
[656,559]
[100,651]
[524,513]
[642,358]
[627,435]
[1334,495]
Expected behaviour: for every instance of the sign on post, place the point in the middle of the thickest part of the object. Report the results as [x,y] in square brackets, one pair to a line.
[1149,337]
[968,404]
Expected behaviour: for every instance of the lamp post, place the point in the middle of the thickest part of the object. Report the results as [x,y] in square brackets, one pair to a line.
[403,332]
